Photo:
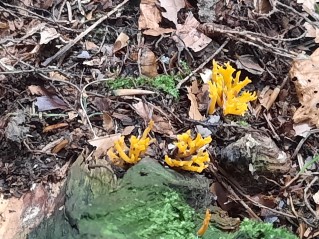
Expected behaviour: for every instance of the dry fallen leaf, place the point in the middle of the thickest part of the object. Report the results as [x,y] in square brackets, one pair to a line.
[172,7]
[316,197]
[120,42]
[50,103]
[161,125]
[128,130]
[262,6]
[48,34]
[249,63]
[301,129]
[102,144]
[308,6]
[123,92]
[189,34]
[108,124]
[148,63]
[312,31]
[91,46]
[149,19]
[193,110]
[304,74]
[36,90]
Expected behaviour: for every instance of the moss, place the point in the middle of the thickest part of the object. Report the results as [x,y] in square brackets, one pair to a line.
[250,229]
[164,83]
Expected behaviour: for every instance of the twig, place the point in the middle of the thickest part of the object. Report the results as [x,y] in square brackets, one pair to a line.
[232,192]
[67,47]
[306,197]
[203,64]
[298,13]
[303,141]
[275,93]
[271,127]
[82,104]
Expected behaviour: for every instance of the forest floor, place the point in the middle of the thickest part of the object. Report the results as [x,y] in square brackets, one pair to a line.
[77,74]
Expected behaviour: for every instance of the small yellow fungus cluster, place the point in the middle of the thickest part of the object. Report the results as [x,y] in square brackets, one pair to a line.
[137,147]
[187,147]
[205,224]
[224,90]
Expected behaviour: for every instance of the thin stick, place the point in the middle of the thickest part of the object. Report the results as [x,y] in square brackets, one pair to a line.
[67,47]
[303,141]
[203,64]
[306,197]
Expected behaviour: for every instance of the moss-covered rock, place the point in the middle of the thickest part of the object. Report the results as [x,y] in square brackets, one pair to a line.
[149,202]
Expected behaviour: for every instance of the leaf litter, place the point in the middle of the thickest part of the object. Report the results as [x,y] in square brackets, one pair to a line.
[48,56]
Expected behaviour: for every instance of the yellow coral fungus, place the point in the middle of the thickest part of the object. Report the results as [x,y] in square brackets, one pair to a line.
[224,91]
[190,148]
[205,225]
[137,147]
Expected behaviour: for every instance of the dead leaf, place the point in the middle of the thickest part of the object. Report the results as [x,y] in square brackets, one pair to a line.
[249,63]
[149,19]
[123,92]
[304,74]
[57,75]
[148,63]
[47,35]
[91,46]
[312,31]
[107,122]
[60,146]
[54,127]
[264,96]
[193,110]
[45,103]
[316,197]
[172,7]
[36,90]
[128,130]
[150,16]
[262,6]
[120,42]
[189,34]
[206,75]
[102,144]
[161,125]
[125,119]
[6,64]
[308,6]
[301,129]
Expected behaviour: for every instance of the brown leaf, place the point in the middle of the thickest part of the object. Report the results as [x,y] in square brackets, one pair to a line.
[45,103]
[47,35]
[150,18]
[304,74]
[125,119]
[249,63]
[189,34]
[193,110]
[148,63]
[60,146]
[54,127]
[120,42]
[161,125]
[172,7]
[102,144]
[123,92]
[128,130]
[107,122]
[36,90]
[91,46]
